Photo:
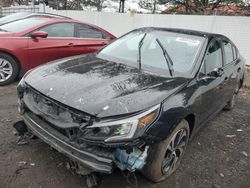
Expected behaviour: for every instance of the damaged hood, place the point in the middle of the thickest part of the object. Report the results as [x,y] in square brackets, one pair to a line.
[101,88]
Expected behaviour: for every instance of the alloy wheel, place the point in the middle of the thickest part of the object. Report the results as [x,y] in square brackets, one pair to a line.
[6,70]
[174,151]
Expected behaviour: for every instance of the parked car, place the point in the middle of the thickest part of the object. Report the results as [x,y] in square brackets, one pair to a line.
[27,43]
[23,15]
[136,103]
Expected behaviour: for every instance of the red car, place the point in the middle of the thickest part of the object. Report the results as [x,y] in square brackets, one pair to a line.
[27,43]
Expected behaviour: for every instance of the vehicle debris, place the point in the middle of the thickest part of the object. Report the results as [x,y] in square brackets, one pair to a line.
[231,136]
[22,163]
[222,175]
[245,153]
[23,135]
[32,164]
[5,120]
[78,168]
[92,180]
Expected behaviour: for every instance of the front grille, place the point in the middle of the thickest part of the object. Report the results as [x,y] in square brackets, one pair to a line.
[63,119]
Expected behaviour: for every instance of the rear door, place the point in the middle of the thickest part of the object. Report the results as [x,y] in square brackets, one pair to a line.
[59,44]
[89,39]
[212,88]
[231,69]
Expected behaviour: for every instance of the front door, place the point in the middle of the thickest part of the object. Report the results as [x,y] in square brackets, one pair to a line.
[212,87]
[60,43]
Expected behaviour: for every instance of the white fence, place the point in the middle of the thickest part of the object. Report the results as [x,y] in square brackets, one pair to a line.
[4,11]
[235,27]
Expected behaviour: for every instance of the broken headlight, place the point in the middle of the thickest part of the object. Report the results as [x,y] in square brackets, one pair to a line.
[124,129]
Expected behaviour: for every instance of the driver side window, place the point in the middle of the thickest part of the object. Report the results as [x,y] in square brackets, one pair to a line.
[59,30]
[213,57]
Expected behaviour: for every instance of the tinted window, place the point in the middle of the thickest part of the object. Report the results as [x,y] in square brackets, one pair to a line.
[85,31]
[228,52]
[214,57]
[59,30]
[22,25]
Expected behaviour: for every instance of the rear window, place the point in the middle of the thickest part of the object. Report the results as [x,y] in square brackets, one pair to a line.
[22,25]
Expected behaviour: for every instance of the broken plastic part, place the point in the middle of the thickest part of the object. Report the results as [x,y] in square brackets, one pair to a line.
[78,168]
[92,180]
[21,128]
[131,161]
[23,135]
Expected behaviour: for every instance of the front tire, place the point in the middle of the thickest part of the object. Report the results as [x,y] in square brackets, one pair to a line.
[9,69]
[164,157]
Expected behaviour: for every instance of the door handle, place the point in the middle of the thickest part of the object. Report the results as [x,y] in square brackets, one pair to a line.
[226,78]
[71,44]
[239,69]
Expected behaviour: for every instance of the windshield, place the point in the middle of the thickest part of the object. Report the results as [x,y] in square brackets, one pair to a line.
[13,17]
[22,25]
[156,51]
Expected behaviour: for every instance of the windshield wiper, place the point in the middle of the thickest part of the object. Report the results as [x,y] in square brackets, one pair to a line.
[139,49]
[167,57]
[3,30]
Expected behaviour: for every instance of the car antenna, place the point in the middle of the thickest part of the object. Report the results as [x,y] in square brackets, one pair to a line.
[167,57]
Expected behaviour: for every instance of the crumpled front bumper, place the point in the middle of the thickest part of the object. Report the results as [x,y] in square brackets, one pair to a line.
[59,142]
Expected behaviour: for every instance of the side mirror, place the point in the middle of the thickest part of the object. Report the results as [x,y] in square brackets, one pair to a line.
[205,79]
[39,34]
[218,72]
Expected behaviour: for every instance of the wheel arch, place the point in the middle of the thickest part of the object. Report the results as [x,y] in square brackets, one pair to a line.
[190,118]
[15,58]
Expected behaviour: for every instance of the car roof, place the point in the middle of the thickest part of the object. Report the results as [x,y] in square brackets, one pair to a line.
[47,15]
[185,31]
[25,15]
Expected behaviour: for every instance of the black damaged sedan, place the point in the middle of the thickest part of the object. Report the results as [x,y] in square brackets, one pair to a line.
[136,103]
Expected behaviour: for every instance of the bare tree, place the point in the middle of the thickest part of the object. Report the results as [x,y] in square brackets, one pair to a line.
[201,6]
[121,5]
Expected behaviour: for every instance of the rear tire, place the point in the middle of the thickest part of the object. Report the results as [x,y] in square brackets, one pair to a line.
[9,69]
[161,157]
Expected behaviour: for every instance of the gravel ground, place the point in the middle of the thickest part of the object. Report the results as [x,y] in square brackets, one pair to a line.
[219,156]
